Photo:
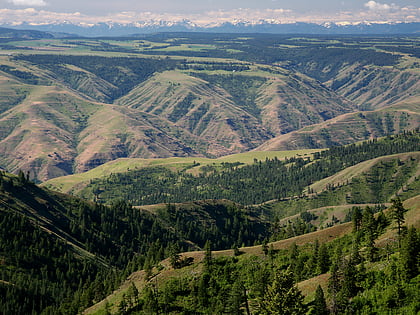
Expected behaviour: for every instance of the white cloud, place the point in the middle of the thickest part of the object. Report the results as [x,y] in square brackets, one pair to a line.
[29,3]
[375,6]
[374,12]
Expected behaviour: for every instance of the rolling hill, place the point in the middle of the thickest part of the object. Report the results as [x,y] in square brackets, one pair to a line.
[165,277]
[258,177]
[103,246]
[69,105]
[350,128]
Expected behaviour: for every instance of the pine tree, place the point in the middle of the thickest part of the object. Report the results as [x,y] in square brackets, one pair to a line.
[236,298]
[174,256]
[356,218]
[207,255]
[410,250]
[369,231]
[397,214]
[319,303]
[282,296]
[323,262]
[334,285]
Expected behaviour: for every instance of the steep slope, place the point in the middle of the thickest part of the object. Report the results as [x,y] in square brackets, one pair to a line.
[12,92]
[237,110]
[376,78]
[300,254]
[295,101]
[200,108]
[350,128]
[277,177]
[375,181]
[56,250]
[172,113]
[211,100]
[114,132]
[376,87]
[40,134]
[53,132]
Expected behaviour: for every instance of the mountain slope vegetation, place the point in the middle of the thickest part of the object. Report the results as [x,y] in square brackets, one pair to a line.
[85,250]
[249,184]
[96,100]
[60,254]
[349,263]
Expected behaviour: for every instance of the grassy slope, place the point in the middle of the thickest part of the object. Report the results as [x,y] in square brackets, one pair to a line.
[61,118]
[213,125]
[384,90]
[353,186]
[346,175]
[307,287]
[350,128]
[284,102]
[209,113]
[40,133]
[72,183]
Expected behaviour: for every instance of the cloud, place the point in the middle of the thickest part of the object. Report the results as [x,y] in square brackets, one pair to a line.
[29,3]
[374,12]
[376,6]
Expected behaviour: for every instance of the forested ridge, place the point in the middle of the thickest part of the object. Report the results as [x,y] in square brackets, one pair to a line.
[361,272]
[151,97]
[60,254]
[334,232]
[247,184]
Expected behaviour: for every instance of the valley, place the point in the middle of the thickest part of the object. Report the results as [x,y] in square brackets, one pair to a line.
[203,173]
[96,100]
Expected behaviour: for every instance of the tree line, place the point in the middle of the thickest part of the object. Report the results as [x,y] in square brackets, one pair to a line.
[272,179]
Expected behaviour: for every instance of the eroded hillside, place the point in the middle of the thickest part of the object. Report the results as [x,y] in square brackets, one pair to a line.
[97,100]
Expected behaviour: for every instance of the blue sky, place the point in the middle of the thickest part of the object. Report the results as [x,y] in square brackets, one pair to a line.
[298,10]
[94,7]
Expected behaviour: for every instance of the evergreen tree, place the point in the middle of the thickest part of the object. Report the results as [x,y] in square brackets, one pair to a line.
[151,303]
[410,250]
[397,214]
[174,256]
[334,286]
[282,296]
[319,303]
[236,298]
[323,262]
[356,218]
[369,231]
[207,254]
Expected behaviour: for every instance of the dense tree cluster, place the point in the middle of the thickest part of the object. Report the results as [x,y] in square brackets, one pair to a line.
[90,247]
[267,284]
[40,271]
[249,184]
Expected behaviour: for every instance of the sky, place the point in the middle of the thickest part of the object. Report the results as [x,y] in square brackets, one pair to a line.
[208,11]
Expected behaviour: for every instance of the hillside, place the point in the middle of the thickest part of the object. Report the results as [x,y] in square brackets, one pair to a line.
[191,165]
[56,250]
[350,128]
[69,105]
[258,181]
[60,254]
[172,288]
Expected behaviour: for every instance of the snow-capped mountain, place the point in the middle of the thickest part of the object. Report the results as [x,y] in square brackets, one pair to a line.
[240,26]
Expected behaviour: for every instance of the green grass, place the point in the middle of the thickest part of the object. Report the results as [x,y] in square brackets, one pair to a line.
[349,173]
[75,182]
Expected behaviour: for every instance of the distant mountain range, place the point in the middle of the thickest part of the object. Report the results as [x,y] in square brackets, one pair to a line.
[152,26]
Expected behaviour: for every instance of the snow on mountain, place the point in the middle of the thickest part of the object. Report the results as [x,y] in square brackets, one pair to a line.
[236,26]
